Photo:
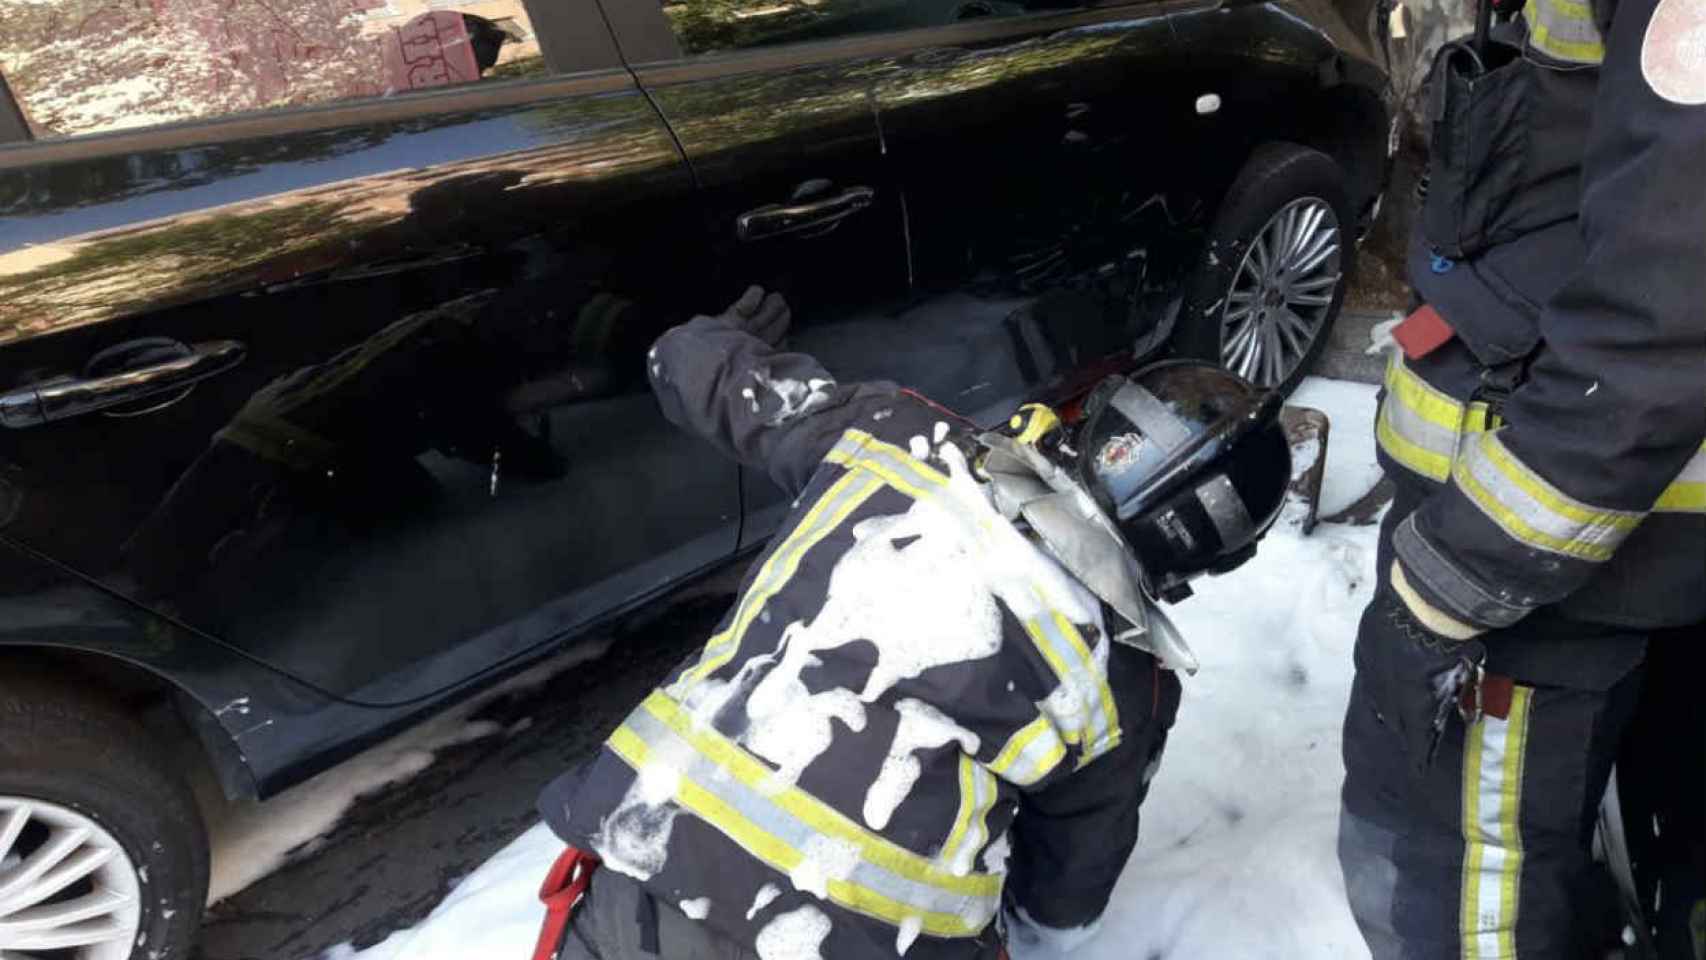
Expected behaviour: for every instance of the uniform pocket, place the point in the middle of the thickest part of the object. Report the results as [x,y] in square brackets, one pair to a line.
[1479,142]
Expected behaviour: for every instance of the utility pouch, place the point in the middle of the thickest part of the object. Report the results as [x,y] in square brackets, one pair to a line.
[1478,124]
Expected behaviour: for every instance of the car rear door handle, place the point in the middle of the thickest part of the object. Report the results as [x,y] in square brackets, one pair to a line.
[61,399]
[816,216]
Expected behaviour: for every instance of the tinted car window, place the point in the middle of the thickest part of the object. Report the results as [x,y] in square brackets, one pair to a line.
[708,26]
[91,66]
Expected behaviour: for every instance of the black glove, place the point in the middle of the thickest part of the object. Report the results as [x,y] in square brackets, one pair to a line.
[1415,676]
[764,316]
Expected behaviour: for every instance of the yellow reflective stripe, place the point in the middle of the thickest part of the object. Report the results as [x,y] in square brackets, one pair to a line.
[1419,425]
[1030,754]
[1687,493]
[971,823]
[1487,474]
[1424,430]
[844,496]
[1427,401]
[1105,722]
[1432,464]
[779,855]
[734,792]
[1550,497]
[897,467]
[1564,30]
[1493,756]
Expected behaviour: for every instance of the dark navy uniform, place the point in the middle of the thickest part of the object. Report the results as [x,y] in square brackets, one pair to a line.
[911,712]
[1551,477]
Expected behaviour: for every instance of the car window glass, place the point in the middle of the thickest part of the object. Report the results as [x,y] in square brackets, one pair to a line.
[709,26]
[91,66]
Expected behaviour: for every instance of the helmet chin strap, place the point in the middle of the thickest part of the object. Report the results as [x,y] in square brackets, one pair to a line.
[1069,523]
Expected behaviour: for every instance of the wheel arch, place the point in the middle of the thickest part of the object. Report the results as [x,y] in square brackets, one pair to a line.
[146,691]
[1350,123]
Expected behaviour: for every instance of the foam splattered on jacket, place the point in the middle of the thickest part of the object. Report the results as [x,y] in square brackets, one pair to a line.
[837,771]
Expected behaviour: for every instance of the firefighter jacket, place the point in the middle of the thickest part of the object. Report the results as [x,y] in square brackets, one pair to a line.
[1561,430]
[844,760]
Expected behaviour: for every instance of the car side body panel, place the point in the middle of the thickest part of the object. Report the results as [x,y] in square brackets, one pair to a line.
[437,454]
[436,461]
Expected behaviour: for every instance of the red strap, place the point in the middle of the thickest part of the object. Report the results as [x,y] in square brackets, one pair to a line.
[1496,693]
[1422,332]
[563,888]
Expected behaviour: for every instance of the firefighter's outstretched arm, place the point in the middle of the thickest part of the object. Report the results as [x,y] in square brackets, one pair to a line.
[1614,407]
[723,378]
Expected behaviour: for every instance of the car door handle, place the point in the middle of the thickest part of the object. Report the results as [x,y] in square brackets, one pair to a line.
[817,216]
[74,396]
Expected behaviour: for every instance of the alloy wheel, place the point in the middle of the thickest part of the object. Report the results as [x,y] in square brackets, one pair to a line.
[68,890]
[1278,303]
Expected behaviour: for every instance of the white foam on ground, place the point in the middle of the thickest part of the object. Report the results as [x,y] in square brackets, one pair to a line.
[1237,854]
[250,840]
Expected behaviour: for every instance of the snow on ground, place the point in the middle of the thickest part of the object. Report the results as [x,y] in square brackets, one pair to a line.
[250,840]
[1237,854]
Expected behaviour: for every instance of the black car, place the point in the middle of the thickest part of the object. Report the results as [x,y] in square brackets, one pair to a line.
[323,329]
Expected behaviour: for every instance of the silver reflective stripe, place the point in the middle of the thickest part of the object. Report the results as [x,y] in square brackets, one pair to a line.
[1151,416]
[1493,755]
[1421,444]
[1031,753]
[1564,30]
[1088,686]
[971,826]
[1534,512]
[766,814]
[902,471]
[1225,509]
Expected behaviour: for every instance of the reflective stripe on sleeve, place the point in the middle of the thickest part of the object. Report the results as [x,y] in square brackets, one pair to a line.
[895,466]
[733,791]
[1031,754]
[1687,494]
[1532,511]
[1492,839]
[1564,30]
[1425,431]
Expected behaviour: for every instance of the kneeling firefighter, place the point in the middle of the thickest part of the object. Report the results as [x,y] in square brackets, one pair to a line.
[1543,425]
[943,689]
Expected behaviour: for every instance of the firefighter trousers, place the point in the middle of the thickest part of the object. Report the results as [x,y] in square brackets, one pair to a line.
[1487,853]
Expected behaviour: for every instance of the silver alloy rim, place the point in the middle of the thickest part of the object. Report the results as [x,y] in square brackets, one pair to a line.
[1277,304]
[68,891]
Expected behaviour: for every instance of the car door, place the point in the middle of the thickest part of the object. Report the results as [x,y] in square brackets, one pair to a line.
[1044,152]
[793,192]
[355,387]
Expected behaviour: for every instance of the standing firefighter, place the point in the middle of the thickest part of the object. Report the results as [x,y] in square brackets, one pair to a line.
[1543,424]
[942,690]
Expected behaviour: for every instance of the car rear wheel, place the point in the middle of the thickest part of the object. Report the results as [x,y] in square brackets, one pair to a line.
[1273,274]
[102,850]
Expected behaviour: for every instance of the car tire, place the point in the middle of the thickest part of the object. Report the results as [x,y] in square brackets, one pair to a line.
[1279,180]
[77,770]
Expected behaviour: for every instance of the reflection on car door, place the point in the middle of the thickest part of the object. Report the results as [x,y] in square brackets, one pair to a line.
[437,451]
[793,193]
[1039,154]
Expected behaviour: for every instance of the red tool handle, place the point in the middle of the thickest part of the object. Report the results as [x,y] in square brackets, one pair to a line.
[563,888]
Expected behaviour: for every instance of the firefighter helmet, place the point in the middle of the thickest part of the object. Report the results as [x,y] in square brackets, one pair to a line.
[1190,462]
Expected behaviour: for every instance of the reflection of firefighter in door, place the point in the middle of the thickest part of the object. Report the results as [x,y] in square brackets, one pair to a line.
[328,456]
